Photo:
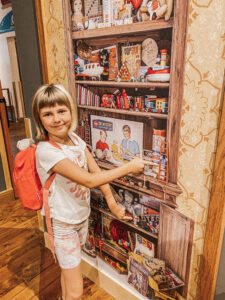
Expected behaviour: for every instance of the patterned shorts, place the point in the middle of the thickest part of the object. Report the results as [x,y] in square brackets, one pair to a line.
[68,239]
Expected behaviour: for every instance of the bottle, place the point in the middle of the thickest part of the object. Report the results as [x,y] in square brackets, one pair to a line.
[125,99]
[163,57]
[119,105]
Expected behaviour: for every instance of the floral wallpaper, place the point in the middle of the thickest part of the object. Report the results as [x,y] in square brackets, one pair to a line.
[204,75]
[55,41]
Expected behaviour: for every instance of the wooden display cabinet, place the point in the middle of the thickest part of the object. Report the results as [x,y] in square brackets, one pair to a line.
[174,241]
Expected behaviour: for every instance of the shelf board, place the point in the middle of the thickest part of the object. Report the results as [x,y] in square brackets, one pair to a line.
[113,251]
[170,188]
[142,191]
[126,29]
[125,112]
[148,233]
[124,84]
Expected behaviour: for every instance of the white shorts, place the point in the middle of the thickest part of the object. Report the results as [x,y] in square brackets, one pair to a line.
[68,239]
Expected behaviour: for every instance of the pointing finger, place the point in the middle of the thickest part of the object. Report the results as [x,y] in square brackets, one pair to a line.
[149,163]
[126,218]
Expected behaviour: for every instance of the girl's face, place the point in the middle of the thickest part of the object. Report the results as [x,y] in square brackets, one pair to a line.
[56,120]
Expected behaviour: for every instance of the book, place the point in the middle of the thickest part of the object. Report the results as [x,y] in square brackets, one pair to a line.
[138,276]
[131,55]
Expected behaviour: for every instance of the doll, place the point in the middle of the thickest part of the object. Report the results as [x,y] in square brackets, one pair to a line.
[104,61]
[77,17]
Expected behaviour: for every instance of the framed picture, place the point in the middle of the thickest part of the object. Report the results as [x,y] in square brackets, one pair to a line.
[117,141]
[131,55]
[113,61]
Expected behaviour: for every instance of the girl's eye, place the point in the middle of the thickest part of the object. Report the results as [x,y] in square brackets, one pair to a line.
[62,111]
[47,115]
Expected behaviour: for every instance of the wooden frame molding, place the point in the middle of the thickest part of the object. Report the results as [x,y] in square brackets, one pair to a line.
[177,87]
[41,36]
[216,220]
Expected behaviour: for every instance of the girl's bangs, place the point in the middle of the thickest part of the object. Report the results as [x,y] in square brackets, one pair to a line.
[51,100]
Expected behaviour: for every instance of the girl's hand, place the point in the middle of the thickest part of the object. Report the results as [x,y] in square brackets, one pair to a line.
[137,165]
[120,212]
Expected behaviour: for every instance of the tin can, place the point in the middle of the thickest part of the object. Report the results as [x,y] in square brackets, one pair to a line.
[163,57]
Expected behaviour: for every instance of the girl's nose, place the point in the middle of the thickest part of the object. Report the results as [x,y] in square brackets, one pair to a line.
[56,118]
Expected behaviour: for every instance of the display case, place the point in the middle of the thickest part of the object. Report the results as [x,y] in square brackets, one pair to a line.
[174,228]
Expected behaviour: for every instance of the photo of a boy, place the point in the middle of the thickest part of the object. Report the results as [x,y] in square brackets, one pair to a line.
[129,147]
[102,148]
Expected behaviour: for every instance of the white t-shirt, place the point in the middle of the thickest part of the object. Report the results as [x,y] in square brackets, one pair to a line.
[68,201]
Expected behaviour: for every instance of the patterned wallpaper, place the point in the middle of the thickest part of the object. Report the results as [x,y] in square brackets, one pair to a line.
[204,74]
[55,41]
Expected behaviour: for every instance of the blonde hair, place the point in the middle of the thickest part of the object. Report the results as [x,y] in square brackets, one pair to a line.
[50,95]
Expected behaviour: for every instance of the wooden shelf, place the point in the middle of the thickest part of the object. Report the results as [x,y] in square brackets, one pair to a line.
[127,29]
[155,236]
[113,251]
[125,112]
[143,191]
[170,188]
[125,84]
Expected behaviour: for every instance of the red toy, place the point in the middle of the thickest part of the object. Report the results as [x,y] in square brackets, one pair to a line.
[108,101]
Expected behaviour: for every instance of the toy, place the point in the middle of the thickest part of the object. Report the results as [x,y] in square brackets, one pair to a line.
[143,14]
[124,74]
[108,100]
[162,9]
[77,17]
[83,50]
[124,244]
[93,70]
[169,9]
[104,61]
[125,99]
[162,75]
[136,3]
[108,59]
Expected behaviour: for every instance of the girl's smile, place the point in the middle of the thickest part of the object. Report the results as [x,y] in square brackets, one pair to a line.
[57,121]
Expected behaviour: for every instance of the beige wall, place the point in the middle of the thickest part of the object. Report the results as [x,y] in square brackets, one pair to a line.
[204,71]
[204,75]
[55,41]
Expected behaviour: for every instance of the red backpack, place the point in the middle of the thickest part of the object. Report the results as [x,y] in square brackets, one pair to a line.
[26,178]
[31,192]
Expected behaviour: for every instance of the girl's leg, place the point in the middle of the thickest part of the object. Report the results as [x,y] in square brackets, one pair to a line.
[73,283]
[63,286]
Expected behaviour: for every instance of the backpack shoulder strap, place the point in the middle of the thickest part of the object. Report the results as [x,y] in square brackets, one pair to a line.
[54,144]
[47,211]
[46,206]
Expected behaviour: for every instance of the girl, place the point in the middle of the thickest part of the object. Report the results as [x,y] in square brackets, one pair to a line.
[76,172]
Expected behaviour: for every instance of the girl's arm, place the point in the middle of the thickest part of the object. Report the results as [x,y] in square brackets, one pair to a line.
[118,210]
[70,170]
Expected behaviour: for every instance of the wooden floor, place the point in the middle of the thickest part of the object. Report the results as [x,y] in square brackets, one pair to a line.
[27,269]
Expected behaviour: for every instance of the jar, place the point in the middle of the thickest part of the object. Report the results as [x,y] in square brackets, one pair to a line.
[163,57]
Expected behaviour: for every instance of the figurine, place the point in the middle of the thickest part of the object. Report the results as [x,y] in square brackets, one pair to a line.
[77,17]
[104,61]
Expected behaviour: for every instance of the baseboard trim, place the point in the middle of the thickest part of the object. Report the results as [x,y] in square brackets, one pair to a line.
[106,278]
[9,194]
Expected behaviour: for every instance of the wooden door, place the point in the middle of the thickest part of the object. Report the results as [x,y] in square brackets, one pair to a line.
[175,241]
[5,153]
